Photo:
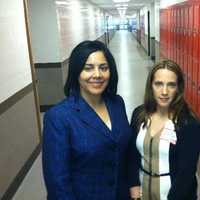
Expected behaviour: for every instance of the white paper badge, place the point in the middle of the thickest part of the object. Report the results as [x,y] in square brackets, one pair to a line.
[169,133]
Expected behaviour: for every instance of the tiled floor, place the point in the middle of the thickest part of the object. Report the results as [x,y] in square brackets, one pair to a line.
[133,66]
[32,187]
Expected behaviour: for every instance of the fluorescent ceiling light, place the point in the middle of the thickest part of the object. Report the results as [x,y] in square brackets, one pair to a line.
[121,1]
[121,8]
[121,5]
[63,3]
[138,4]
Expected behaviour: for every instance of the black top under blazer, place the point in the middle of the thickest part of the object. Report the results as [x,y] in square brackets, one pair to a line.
[183,158]
[82,158]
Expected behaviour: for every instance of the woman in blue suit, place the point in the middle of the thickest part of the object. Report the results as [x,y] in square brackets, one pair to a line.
[86,136]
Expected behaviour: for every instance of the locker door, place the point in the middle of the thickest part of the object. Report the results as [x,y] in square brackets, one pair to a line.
[195,57]
[198,88]
[171,33]
[168,32]
[194,85]
[175,35]
[161,31]
[190,51]
[185,51]
[178,25]
[185,38]
[181,37]
[197,24]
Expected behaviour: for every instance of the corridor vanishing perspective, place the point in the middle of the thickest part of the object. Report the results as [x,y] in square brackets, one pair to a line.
[37,38]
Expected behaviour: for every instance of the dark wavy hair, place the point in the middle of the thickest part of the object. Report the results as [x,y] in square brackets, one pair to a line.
[179,110]
[77,61]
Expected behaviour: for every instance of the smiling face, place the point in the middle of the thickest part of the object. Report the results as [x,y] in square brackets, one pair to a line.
[164,86]
[94,77]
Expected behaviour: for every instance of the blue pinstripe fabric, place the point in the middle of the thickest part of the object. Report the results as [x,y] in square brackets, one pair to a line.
[82,158]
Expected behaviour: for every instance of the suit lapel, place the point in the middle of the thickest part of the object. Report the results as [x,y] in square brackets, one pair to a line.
[89,116]
[113,110]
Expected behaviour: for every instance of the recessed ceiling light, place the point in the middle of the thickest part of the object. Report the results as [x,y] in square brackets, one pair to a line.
[63,2]
[121,8]
[121,1]
[121,5]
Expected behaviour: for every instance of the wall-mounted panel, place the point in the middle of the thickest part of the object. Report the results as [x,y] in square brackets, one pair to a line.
[18,138]
[44,31]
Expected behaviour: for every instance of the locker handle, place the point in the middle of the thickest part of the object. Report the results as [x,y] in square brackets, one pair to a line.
[199,90]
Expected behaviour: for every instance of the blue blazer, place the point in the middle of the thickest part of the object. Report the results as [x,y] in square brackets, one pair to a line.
[82,158]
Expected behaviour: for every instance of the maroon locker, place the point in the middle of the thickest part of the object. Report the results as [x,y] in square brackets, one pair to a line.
[181,37]
[168,32]
[195,57]
[198,58]
[198,88]
[161,32]
[171,28]
[190,49]
[175,34]
[185,50]
[171,33]
[178,25]
[198,97]
[194,85]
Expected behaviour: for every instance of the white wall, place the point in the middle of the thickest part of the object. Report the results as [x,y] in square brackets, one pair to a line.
[78,20]
[44,31]
[152,20]
[138,20]
[166,3]
[15,71]
[143,13]
[58,25]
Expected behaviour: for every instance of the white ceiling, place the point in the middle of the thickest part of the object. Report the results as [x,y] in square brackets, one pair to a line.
[133,5]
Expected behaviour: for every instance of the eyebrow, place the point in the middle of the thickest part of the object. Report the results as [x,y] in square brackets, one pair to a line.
[170,82]
[90,64]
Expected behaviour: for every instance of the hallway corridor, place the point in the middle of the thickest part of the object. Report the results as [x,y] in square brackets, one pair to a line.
[133,65]
[37,38]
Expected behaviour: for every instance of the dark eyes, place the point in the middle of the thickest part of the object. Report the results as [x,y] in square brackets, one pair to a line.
[103,67]
[88,68]
[172,84]
[91,67]
[161,84]
[158,83]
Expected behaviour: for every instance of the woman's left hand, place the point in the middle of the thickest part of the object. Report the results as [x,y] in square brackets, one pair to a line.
[135,192]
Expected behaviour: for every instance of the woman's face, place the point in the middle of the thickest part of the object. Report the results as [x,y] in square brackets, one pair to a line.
[95,75]
[164,86]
